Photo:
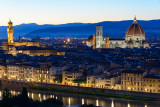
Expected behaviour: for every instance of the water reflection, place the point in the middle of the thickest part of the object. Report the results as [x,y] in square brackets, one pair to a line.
[129,105]
[70,100]
[82,101]
[112,104]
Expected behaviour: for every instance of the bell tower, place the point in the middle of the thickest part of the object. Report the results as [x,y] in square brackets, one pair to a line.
[10,32]
[99,37]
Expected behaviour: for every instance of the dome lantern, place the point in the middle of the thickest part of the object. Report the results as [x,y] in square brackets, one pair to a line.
[135,20]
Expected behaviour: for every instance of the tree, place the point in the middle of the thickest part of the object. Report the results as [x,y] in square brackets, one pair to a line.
[25,93]
[6,98]
[6,95]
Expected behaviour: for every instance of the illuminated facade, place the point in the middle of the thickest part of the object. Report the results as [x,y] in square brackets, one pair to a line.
[151,84]
[2,71]
[11,47]
[134,38]
[131,80]
[10,32]
[69,77]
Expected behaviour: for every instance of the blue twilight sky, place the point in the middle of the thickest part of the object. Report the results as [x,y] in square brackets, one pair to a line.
[68,11]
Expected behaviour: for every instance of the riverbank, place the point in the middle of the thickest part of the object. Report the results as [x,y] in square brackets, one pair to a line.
[132,95]
[38,88]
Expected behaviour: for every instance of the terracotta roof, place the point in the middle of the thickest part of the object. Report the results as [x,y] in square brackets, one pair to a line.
[135,29]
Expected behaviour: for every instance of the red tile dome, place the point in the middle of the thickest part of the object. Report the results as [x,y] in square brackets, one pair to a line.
[135,29]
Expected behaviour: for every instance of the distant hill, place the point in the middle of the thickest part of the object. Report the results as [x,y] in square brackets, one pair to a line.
[24,29]
[113,29]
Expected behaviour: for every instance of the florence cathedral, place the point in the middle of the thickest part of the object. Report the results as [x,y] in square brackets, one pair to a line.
[134,38]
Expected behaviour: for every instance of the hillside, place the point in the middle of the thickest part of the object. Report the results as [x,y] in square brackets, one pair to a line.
[114,29]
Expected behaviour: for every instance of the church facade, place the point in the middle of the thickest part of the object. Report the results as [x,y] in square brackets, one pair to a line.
[134,38]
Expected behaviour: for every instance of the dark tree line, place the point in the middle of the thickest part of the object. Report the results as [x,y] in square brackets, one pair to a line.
[22,100]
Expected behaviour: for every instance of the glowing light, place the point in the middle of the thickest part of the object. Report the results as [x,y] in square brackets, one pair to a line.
[128,88]
[28,94]
[39,95]
[129,105]
[69,101]
[14,92]
[145,105]
[44,97]
[97,103]
[82,101]
[32,95]
[112,104]
[68,40]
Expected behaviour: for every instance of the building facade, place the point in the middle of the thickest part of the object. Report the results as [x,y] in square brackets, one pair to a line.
[134,38]
[132,80]
[29,48]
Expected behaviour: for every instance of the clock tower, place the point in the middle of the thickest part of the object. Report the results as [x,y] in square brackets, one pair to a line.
[10,32]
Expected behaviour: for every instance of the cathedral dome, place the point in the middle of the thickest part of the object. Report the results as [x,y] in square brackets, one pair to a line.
[135,29]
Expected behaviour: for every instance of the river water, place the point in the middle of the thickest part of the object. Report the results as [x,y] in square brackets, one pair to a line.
[75,100]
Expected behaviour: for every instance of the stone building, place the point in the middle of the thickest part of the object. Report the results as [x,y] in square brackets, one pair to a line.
[70,75]
[10,44]
[134,38]
[29,48]
[151,81]
[13,72]
[132,80]
[3,71]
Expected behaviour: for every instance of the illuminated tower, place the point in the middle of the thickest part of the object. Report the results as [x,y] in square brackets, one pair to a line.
[99,37]
[94,41]
[10,32]
[19,39]
[106,42]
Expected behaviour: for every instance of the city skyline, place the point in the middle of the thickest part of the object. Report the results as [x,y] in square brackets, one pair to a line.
[69,11]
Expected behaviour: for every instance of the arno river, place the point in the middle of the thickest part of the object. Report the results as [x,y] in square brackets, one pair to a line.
[74,100]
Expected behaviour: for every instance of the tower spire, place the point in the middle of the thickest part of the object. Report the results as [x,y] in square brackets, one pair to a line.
[19,38]
[94,41]
[10,32]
